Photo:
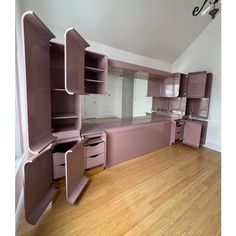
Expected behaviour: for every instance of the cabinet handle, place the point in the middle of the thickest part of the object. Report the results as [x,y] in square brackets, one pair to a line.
[94,156]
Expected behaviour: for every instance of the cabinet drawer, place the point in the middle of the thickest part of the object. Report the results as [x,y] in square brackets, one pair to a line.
[58,171]
[96,160]
[94,149]
[58,158]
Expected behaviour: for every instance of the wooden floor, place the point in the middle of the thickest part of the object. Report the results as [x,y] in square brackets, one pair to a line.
[173,191]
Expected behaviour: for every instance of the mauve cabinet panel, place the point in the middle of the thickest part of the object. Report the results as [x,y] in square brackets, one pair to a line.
[36,38]
[164,87]
[74,168]
[129,142]
[197,84]
[170,86]
[154,87]
[38,190]
[74,62]
[192,133]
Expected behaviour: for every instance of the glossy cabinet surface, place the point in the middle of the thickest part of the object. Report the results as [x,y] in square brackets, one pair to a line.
[192,133]
[38,189]
[74,62]
[36,38]
[125,143]
[164,87]
[74,170]
[196,84]
[193,85]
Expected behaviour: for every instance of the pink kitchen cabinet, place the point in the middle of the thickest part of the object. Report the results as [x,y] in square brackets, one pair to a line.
[199,107]
[53,82]
[164,87]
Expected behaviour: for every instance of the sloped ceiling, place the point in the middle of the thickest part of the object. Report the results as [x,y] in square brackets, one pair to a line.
[159,29]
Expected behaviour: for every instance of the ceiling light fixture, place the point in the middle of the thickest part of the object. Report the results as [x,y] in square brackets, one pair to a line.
[211,9]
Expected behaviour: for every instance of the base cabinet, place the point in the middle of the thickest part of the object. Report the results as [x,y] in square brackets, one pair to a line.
[62,160]
[95,150]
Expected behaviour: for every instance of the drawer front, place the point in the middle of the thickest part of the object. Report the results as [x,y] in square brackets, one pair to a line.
[58,172]
[58,158]
[95,161]
[94,150]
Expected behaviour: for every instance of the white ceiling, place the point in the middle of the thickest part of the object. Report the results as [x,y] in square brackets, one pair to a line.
[159,29]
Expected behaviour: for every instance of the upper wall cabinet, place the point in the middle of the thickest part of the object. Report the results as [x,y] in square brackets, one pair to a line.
[193,85]
[56,75]
[164,87]
[96,73]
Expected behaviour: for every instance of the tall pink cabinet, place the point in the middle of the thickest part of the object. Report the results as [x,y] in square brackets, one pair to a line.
[56,76]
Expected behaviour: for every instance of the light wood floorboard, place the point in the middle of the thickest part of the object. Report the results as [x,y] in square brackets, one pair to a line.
[172,191]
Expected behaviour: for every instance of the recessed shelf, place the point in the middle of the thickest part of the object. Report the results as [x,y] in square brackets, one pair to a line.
[93,80]
[64,128]
[58,116]
[94,69]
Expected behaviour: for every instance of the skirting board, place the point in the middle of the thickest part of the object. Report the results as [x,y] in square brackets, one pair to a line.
[212,146]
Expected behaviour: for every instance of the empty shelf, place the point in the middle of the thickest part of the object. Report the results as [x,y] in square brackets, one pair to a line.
[94,69]
[64,128]
[58,116]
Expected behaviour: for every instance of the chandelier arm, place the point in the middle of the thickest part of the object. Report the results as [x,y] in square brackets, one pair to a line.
[196,10]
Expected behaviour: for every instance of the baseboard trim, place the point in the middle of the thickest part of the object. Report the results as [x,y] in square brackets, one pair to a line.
[212,146]
[19,211]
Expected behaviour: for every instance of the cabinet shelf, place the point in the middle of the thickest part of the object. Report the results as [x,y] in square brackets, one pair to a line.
[63,128]
[93,69]
[58,116]
[93,80]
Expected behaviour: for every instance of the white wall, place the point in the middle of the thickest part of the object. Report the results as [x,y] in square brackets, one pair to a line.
[205,54]
[119,54]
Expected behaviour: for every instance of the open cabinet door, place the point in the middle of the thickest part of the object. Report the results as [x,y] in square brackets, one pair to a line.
[38,190]
[75,179]
[197,84]
[36,38]
[74,62]
[192,133]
